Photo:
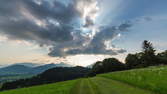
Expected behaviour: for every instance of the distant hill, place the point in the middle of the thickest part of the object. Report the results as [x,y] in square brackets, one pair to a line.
[15,69]
[63,65]
[29,68]
[62,74]
[49,76]
[42,68]
[2,66]
[29,64]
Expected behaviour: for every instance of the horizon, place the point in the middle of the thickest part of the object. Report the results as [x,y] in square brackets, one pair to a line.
[79,32]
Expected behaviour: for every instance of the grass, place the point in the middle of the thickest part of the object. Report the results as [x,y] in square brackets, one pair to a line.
[100,85]
[95,85]
[153,78]
[57,88]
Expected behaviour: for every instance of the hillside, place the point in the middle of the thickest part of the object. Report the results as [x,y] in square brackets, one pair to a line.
[28,64]
[49,76]
[25,70]
[28,68]
[15,69]
[57,88]
[42,68]
[153,78]
[139,81]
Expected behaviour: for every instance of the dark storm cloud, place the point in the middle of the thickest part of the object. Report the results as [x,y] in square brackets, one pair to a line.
[21,19]
[52,9]
[97,43]
[89,22]
[50,23]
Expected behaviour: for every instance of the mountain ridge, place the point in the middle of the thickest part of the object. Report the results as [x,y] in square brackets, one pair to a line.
[29,68]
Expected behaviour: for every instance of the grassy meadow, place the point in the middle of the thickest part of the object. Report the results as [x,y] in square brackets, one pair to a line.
[101,85]
[153,78]
[56,88]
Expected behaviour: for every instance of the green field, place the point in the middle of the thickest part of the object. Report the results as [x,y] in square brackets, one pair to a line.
[139,81]
[153,78]
[57,88]
[100,85]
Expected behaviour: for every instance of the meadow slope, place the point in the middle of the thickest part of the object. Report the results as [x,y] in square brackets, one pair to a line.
[153,78]
[57,88]
[100,85]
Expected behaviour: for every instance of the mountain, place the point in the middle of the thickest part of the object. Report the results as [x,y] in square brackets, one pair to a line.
[29,68]
[63,65]
[29,64]
[52,75]
[42,68]
[2,66]
[15,69]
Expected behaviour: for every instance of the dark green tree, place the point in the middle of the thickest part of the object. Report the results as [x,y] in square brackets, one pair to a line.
[162,57]
[132,61]
[148,48]
[143,59]
[148,58]
[107,65]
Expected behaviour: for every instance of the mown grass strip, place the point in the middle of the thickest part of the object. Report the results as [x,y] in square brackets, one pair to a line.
[94,87]
[109,86]
[85,86]
[76,87]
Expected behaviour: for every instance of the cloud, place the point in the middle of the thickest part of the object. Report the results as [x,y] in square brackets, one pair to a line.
[88,10]
[95,45]
[59,26]
[26,20]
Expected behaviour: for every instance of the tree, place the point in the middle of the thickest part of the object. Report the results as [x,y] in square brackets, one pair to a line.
[148,58]
[143,59]
[162,57]
[107,65]
[148,48]
[96,69]
[112,64]
[132,61]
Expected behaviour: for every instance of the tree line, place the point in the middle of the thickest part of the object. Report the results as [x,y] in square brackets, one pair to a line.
[147,57]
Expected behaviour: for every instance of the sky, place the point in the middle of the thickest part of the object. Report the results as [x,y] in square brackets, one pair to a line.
[79,32]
